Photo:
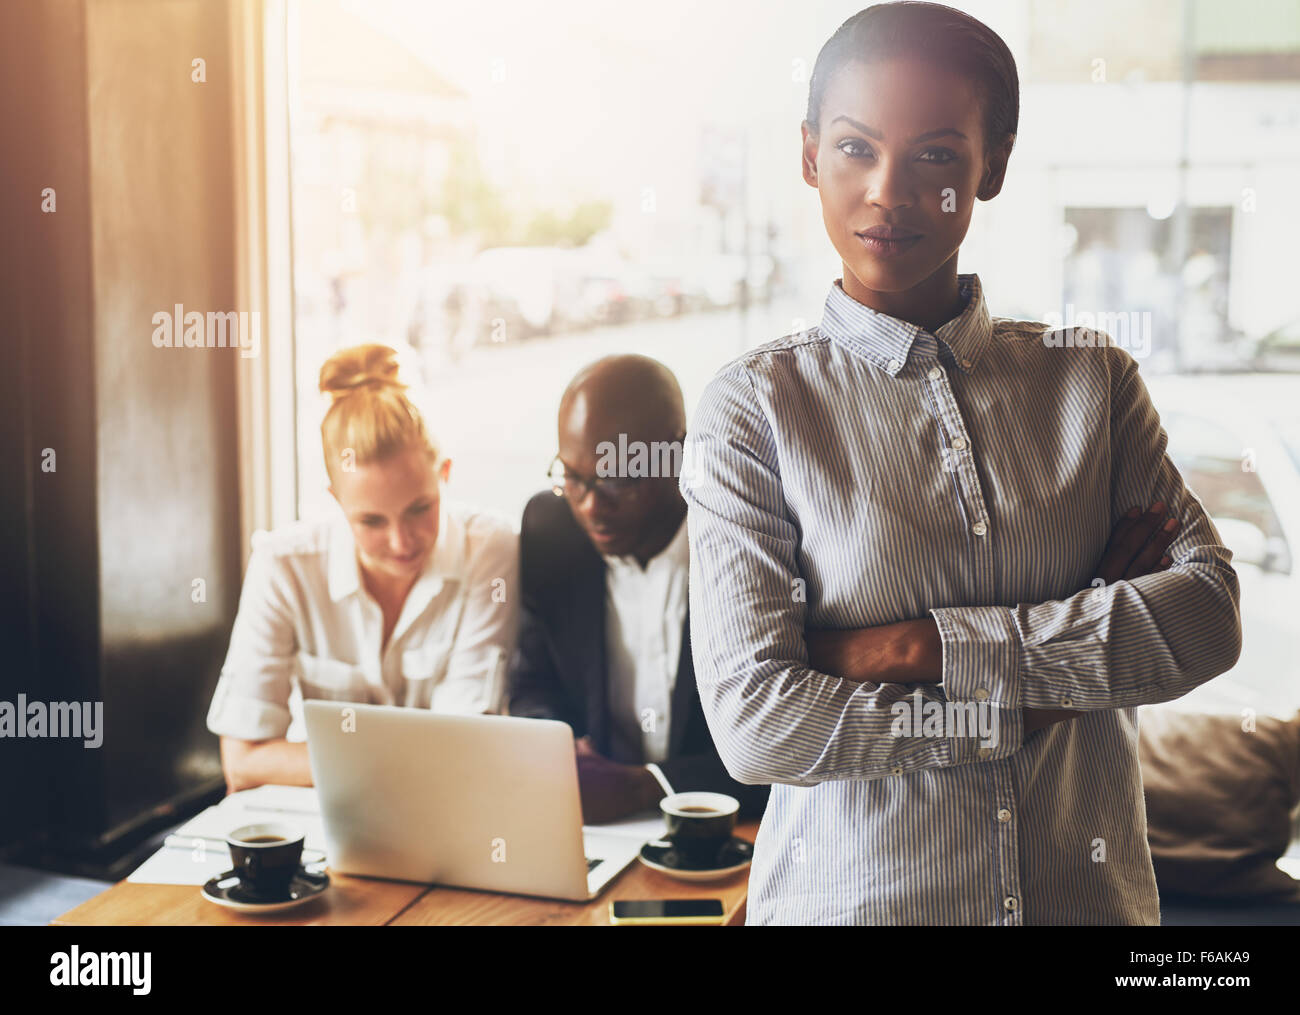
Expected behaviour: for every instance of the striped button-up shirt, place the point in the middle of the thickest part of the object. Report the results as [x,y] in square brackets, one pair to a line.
[869,471]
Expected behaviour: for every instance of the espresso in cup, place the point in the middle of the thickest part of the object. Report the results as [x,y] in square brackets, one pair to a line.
[266,856]
[699,824]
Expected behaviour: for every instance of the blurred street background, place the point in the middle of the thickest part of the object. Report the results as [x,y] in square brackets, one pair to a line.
[509,191]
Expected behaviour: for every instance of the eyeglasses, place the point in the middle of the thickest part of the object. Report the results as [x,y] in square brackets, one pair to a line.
[614,489]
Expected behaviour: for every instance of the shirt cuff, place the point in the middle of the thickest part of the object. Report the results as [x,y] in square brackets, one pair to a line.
[659,777]
[231,715]
[981,673]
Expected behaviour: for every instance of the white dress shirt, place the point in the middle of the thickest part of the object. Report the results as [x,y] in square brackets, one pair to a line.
[644,613]
[307,628]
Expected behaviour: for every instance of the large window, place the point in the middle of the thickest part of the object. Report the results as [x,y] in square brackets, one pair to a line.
[1245,469]
[509,191]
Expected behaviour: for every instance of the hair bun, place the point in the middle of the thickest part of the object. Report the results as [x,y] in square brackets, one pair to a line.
[358,367]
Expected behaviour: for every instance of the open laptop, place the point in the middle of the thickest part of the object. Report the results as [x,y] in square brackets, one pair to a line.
[479,801]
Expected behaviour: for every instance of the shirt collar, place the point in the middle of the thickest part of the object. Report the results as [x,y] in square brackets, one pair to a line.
[446,561]
[886,340]
[675,554]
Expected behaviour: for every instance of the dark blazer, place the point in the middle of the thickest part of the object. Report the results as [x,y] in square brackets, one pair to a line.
[558,669]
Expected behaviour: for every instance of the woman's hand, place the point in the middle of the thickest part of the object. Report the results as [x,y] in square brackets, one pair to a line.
[908,652]
[249,763]
[1137,544]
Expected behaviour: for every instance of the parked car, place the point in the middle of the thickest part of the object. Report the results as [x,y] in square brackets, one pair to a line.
[1236,440]
[515,289]
[1279,349]
[600,299]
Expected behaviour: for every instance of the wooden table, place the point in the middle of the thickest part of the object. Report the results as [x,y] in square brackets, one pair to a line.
[374,902]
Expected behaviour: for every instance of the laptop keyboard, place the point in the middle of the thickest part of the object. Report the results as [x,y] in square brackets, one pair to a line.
[593,863]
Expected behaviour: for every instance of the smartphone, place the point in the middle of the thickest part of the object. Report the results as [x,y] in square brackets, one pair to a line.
[675,912]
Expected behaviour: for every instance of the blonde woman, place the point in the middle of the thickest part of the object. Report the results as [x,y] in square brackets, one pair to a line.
[404,598]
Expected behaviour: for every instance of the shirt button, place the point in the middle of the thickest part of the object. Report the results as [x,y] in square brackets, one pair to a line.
[1010,904]
[966,363]
[981,694]
[896,770]
[1004,815]
[935,373]
[959,443]
[1067,703]
[894,366]
[984,752]
[979,528]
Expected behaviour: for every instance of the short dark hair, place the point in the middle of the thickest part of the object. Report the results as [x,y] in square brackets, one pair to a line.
[935,33]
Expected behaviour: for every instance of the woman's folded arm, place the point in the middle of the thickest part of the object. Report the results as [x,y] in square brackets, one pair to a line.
[773,716]
[1137,641]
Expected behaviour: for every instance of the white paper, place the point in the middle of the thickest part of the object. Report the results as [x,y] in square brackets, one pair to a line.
[202,853]
[302,800]
[643,827]
[197,860]
[182,866]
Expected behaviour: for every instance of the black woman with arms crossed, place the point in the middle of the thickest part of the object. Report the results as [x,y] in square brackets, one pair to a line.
[917,507]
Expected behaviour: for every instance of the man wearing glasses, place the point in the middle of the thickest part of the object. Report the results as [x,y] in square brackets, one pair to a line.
[604,642]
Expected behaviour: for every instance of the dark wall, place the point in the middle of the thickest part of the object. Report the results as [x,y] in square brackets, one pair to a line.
[50,583]
[101,557]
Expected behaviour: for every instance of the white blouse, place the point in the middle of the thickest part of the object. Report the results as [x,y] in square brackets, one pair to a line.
[306,627]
